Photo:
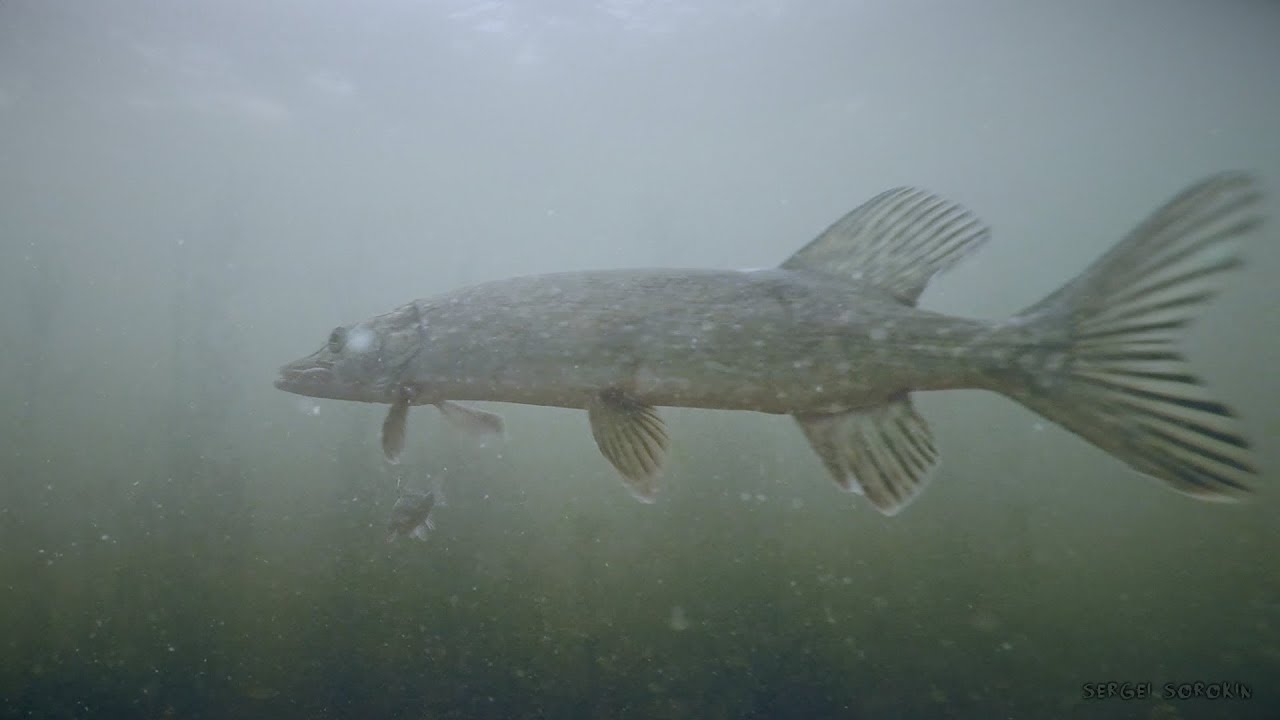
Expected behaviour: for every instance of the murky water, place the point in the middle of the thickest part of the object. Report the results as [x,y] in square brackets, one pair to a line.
[191,195]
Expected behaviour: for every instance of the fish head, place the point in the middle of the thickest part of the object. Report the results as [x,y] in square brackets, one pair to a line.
[362,361]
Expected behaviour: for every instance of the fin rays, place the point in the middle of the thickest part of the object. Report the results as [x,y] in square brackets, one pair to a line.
[896,241]
[632,437]
[886,452]
[1125,387]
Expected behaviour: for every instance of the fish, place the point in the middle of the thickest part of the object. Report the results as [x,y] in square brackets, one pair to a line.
[411,515]
[835,338]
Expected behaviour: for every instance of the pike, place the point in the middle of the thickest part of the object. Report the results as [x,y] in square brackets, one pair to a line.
[832,337]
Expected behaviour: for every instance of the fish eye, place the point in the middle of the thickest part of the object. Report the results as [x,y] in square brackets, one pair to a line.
[337,339]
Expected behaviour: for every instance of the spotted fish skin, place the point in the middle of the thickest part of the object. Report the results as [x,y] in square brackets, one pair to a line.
[834,338]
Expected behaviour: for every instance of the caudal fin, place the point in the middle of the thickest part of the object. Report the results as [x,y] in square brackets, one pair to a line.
[1119,380]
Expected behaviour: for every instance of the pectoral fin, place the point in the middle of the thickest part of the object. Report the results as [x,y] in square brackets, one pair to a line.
[471,420]
[884,452]
[393,429]
[632,437]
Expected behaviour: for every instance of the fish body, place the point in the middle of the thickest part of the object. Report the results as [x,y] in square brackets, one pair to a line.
[775,341]
[411,516]
[832,337]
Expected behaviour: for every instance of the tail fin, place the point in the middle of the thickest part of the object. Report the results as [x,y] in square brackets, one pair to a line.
[1121,384]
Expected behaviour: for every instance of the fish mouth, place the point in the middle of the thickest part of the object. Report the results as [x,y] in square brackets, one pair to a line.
[319,380]
[303,380]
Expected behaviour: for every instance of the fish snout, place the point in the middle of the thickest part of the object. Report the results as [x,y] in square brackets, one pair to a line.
[300,378]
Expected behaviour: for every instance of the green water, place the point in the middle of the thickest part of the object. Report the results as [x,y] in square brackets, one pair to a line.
[193,195]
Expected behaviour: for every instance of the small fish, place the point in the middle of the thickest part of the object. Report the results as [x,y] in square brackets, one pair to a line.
[832,337]
[411,516]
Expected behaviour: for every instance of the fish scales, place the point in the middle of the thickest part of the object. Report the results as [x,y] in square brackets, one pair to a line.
[773,341]
[834,338]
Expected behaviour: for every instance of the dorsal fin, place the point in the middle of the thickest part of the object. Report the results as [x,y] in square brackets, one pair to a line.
[895,241]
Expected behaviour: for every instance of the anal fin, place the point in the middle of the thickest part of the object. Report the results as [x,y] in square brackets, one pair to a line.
[632,437]
[885,452]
